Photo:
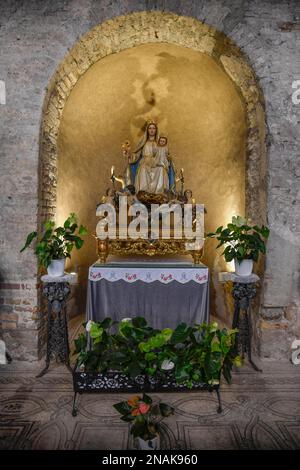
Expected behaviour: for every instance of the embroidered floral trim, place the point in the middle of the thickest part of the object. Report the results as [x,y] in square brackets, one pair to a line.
[182,275]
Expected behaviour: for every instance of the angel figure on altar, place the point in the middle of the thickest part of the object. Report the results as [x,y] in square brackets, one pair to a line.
[149,166]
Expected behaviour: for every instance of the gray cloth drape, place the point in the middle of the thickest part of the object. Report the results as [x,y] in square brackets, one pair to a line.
[162,305]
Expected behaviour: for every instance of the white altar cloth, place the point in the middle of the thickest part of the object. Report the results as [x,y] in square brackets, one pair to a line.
[162,271]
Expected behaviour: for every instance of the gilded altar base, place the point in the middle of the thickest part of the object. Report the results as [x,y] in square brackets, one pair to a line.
[142,246]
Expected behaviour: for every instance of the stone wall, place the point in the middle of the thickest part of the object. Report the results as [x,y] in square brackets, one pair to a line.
[34,38]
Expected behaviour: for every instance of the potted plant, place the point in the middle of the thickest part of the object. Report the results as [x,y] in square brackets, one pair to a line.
[131,356]
[144,416]
[243,243]
[54,245]
[186,355]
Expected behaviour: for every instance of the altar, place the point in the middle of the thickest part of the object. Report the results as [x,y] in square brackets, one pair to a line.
[165,291]
[149,241]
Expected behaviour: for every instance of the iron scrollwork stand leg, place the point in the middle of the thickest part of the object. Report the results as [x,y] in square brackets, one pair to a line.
[219,409]
[57,294]
[243,294]
[74,409]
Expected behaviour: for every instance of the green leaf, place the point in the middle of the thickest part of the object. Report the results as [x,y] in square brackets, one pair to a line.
[139,322]
[29,239]
[69,247]
[181,375]
[196,377]
[227,371]
[96,331]
[165,410]
[237,361]
[78,243]
[180,334]
[47,234]
[49,225]
[229,256]
[122,407]
[144,347]
[82,230]
[150,356]
[241,251]
[80,343]
[60,231]
[156,341]
[134,369]
[67,223]
[72,228]
[150,370]
[128,418]
[167,332]
[226,342]
[215,347]
[73,218]
[140,429]
[265,232]
[106,323]
[147,399]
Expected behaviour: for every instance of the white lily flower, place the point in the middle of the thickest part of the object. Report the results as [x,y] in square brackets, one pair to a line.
[167,364]
[88,326]
[239,221]
[126,319]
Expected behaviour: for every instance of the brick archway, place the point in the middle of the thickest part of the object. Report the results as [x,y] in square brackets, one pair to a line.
[132,30]
[153,27]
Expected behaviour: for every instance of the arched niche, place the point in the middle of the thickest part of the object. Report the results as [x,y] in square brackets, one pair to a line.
[124,70]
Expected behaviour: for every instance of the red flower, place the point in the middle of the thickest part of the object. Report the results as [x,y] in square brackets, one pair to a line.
[144,408]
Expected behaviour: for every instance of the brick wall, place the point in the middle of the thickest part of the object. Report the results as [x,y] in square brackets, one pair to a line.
[34,38]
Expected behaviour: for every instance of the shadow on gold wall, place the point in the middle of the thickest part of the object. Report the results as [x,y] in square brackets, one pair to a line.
[194,101]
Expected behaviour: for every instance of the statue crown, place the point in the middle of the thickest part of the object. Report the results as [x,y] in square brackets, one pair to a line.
[151,121]
[164,135]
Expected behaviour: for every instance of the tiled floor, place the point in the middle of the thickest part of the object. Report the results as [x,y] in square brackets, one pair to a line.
[260,411]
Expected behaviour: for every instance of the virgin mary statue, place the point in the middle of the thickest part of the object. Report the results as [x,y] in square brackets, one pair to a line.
[149,172]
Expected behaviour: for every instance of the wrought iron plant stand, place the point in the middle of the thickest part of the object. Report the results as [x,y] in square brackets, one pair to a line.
[243,292]
[57,291]
[116,382]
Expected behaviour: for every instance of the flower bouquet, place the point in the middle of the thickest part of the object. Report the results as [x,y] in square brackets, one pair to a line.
[144,416]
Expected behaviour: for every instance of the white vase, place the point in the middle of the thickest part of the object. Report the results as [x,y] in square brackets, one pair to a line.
[57,267]
[151,444]
[244,268]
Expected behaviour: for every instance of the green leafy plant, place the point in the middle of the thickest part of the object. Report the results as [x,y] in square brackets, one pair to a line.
[56,243]
[241,240]
[188,354]
[144,415]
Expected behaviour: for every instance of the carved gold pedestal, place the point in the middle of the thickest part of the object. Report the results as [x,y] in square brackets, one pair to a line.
[147,247]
